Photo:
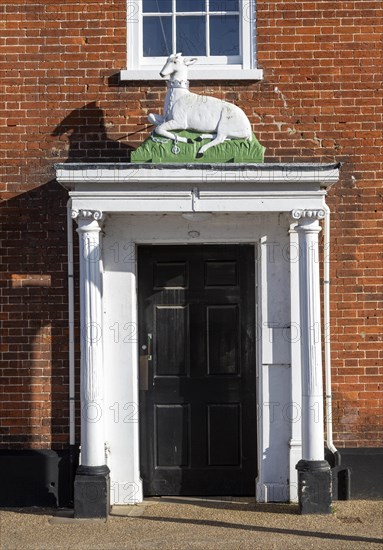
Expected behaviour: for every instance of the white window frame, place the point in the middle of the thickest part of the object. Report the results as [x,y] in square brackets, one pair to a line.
[212,68]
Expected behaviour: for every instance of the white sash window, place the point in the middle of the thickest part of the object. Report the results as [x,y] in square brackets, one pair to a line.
[221,33]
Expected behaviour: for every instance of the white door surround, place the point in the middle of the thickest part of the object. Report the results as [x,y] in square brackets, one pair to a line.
[275,207]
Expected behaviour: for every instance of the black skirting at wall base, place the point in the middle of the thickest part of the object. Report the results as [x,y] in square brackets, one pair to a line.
[46,477]
[366,471]
[37,477]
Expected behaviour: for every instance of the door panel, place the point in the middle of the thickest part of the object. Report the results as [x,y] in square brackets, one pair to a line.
[223,334]
[224,435]
[172,435]
[197,398]
[171,354]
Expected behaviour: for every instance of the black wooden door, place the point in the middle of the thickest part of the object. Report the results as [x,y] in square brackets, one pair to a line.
[197,369]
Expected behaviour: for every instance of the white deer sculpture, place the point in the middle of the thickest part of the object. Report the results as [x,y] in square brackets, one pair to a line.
[184,110]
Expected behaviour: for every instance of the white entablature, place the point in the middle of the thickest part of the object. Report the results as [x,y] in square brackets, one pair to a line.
[197,187]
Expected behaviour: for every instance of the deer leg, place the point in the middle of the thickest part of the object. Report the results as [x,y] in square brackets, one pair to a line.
[219,139]
[155,119]
[206,136]
[163,130]
[209,136]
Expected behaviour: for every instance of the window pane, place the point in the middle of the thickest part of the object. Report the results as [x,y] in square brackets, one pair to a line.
[224,5]
[157,36]
[191,35]
[224,35]
[155,6]
[190,5]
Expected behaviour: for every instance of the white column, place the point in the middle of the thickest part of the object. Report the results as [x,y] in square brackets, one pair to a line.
[310,325]
[92,375]
[295,443]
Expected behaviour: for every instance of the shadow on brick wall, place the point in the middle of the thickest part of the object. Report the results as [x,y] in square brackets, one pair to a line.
[34,320]
[34,431]
[88,139]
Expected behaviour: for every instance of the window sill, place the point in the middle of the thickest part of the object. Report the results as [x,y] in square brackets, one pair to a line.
[224,73]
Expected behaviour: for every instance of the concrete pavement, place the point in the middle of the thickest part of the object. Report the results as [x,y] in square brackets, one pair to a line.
[175,523]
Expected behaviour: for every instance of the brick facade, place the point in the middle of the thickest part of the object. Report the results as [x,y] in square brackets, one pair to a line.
[320,100]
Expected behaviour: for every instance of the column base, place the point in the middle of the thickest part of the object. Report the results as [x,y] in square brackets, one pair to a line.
[314,487]
[92,492]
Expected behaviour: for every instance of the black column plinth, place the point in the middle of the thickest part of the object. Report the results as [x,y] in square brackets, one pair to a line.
[92,492]
[314,487]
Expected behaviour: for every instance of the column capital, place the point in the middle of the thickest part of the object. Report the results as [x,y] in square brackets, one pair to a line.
[83,214]
[303,214]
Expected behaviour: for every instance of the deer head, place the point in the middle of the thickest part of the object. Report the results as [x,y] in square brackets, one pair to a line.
[176,67]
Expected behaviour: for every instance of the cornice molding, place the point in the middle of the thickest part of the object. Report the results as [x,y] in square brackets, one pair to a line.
[319,176]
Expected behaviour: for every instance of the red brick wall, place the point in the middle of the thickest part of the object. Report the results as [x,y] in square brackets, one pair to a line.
[34,320]
[320,101]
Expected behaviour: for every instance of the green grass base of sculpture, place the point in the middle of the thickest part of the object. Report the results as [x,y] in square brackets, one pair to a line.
[160,150]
